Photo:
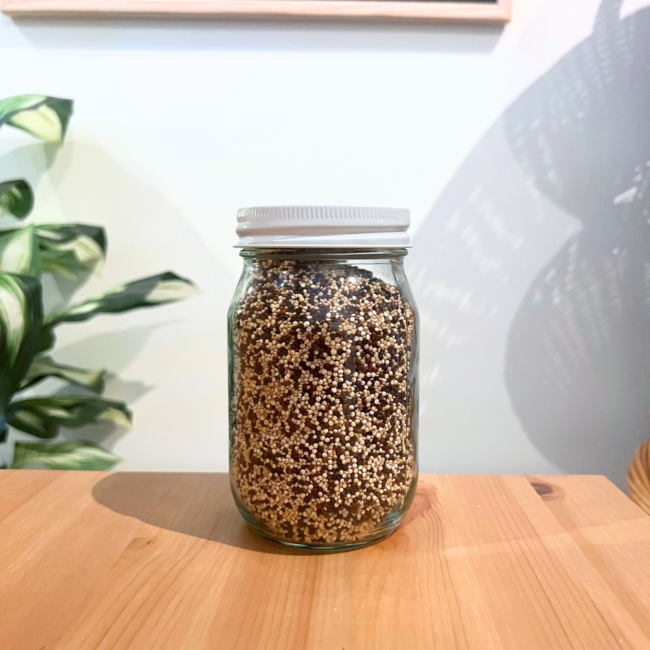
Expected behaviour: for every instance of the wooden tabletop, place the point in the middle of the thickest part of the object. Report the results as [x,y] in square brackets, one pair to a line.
[142,561]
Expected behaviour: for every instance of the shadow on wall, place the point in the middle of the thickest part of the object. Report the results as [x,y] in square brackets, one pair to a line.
[562,176]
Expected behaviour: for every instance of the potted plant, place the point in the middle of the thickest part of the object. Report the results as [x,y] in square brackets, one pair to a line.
[27,333]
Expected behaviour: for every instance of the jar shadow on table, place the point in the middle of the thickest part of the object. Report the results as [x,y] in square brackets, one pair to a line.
[194,504]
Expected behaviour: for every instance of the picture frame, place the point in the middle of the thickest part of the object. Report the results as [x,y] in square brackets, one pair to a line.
[490,11]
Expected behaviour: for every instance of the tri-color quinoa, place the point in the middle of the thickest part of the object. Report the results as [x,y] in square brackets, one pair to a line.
[323,449]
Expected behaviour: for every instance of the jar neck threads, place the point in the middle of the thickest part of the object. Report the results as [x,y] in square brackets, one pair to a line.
[324,254]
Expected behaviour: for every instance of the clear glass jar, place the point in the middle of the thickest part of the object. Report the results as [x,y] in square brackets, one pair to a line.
[323,381]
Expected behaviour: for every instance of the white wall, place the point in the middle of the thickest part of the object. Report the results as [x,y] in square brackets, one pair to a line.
[177,125]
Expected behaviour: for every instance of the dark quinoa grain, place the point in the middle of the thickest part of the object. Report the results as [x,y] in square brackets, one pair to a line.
[323,449]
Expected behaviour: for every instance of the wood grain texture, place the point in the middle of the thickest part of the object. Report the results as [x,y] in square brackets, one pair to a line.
[498,12]
[143,561]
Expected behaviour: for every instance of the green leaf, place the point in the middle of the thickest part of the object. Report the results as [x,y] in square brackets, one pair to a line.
[148,292]
[42,416]
[21,319]
[19,252]
[71,249]
[78,454]
[16,197]
[43,117]
[45,341]
[43,367]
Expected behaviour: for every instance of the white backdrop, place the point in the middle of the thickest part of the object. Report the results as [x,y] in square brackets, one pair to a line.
[177,125]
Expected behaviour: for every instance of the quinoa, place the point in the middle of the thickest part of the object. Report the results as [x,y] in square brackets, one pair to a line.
[322,443]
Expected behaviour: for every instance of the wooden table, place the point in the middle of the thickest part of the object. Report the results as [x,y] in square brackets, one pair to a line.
[94,560]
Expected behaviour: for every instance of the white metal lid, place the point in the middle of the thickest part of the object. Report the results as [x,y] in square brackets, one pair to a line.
[313,226]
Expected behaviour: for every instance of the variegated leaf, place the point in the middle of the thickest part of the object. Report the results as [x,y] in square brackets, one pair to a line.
[44,367]
[21,319]
[46,340]
[71,249]
[43,117]
[42,416]
[148,292]
[19,251]
[16,197]
[75,455]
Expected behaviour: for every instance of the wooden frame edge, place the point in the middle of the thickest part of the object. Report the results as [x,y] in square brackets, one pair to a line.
[497,13]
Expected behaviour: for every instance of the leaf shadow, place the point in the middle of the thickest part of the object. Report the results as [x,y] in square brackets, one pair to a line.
[104,432]
[58,292]
[30,162]
[531,273]
[113,350]
[117,350]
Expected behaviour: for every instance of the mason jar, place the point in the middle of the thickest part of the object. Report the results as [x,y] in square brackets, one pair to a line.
[323,375]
